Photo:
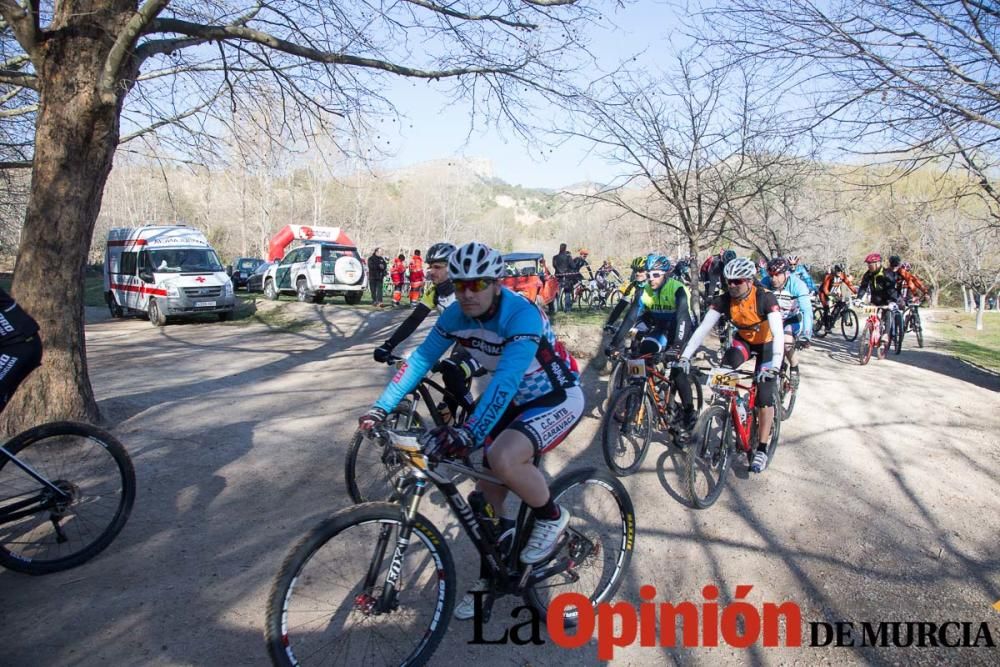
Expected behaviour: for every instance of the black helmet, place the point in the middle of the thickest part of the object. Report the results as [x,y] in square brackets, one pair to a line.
[778,265]
[895,260]
[440,252]
[728,256]
[837,268]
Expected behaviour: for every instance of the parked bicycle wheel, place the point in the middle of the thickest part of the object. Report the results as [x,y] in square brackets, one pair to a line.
[600,539]
[370,468]
[42,532]
[583,301]
[320,609]
[865,346]
[613,298]
[849,324]
[710,456]
[627,429]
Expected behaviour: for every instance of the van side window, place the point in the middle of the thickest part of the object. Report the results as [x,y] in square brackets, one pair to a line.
[128,263]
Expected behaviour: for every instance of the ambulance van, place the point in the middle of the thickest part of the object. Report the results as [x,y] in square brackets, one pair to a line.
[165,272]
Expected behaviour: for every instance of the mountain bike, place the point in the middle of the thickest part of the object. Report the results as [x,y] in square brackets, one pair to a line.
[649,401]
[911,322]
[375,584]
[370,469]
[66,491]
[604,295]
[839,312]
[871,333]
[728,425]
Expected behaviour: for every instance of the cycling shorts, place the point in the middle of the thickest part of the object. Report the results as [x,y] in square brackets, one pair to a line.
[16,361]
[794,326]
[545,421]
[740,352]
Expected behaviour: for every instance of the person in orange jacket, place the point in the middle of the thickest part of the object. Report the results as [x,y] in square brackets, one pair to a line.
[397,275]
[416,277]
[914,287]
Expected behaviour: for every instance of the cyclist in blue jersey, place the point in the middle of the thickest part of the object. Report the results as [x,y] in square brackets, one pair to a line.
[796,308]
[532,403]
[801,272]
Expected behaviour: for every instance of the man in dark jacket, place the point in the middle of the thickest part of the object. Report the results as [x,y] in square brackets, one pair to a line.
[562,264]
[376,274]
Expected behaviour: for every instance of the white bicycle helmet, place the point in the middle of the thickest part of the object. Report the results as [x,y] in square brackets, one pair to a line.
[475,260]
[741,267]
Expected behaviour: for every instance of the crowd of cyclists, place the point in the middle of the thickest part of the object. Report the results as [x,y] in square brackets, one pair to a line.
[534,398]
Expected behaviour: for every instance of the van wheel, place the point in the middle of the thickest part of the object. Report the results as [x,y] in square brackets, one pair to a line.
[156,316]
[116,311]
[300,290]
[226,316]
[352,298]
[270,292]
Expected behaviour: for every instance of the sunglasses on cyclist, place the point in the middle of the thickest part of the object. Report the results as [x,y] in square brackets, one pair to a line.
[474,285]
[738,281]
[775,273]
[656,274]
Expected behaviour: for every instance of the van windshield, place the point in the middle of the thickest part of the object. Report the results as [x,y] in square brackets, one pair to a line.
[184,260]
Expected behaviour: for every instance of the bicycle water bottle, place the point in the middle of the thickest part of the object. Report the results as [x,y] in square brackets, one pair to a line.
[741,407]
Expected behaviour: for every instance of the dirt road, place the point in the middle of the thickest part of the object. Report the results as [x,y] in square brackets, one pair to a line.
[881,505]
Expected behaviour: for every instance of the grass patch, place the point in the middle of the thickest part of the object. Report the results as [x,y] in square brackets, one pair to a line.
[274,317]
[958,329]
[579,317]
[93,289]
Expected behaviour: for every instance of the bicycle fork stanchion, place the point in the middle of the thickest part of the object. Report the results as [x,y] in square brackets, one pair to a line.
[387,601]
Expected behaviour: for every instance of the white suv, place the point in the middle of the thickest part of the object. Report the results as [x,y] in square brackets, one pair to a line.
[316,270]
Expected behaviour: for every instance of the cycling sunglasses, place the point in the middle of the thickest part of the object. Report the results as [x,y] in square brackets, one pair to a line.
[738,281]
[656,274]
[473,285]
[776,273]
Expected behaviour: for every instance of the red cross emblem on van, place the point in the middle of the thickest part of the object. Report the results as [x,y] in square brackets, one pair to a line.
[200,279]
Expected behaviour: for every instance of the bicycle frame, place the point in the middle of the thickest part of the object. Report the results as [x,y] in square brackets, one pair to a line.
[16,510]
[743,427]
[652,376]
[412,487]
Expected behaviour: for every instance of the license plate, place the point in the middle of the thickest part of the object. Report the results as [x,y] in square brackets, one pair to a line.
[636,368]
[204,304]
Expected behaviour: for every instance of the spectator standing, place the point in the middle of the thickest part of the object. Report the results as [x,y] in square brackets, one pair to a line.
[416,277]
[376,274]
[562,264]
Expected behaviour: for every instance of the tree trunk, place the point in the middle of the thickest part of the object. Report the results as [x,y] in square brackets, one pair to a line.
[965,299]
[979,313]
[75,140]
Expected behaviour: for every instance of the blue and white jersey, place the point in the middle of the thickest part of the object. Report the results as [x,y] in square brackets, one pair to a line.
[516,344]
[802,274]
[793,299]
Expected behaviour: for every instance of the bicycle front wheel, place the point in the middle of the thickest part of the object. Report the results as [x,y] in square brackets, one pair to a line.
[865,346]
[321,611]
[849,325]
[51,531]
[918,329]
[598,544]
[371,468]
[627,429]
[710,456]
[820,330]
[896,333]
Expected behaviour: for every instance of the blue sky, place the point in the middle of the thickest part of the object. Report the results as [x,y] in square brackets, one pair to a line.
[434,129]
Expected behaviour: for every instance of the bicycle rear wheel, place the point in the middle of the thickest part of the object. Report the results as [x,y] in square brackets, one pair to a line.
[613,298]
[319,609]
[820,330]
[849,325]
[599,541]
[710,456]
[53,533]
[617,380]
[865,346]
[896,332]
[370,468]
[627,429]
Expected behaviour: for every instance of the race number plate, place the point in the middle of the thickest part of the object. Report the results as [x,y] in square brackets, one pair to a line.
[204,304]
[636,368]
[723,380]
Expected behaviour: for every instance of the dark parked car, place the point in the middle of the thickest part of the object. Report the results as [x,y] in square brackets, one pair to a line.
[243,268]
[255,282]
